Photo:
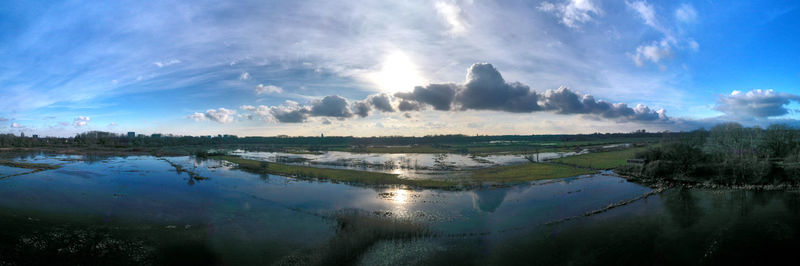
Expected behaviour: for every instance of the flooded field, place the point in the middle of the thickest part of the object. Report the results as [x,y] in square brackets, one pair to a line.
[407,165]
[140,210]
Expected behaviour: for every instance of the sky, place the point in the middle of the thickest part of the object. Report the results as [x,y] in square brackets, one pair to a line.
[375,68]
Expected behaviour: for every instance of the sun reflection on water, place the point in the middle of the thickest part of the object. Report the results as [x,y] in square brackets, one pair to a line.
[400,196]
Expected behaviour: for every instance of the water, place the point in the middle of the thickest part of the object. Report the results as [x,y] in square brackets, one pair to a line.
[143,206]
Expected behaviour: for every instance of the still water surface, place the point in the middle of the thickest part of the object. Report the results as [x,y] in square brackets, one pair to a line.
[249,218]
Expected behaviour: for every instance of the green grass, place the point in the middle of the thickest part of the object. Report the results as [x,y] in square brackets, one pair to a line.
[526,172]
[35,166]
[340,175]
[601,160]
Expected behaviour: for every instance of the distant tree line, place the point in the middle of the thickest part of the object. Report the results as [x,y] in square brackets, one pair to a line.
[107,139]
[727,154]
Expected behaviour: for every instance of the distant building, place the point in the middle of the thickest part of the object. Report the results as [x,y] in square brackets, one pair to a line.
[35,136]
[131,134]
[155,135]
[283,136]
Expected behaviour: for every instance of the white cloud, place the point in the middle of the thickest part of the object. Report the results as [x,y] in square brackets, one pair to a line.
[573,12]
[81,121]
[663,49]
[453,15]
[15,125]
[686,14]
[220,115]
[167,63]
[646,11]
[755,103]
[653,52]
[244,76]
[261,89]
[197,117]
[261,111]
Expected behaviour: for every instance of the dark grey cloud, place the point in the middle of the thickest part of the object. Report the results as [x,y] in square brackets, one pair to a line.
[440,96]
[3,119]
[331,106]
[408,106]
[755,103]
[361,109]
[565,101]
[485,89]
[289,115]
[381,102]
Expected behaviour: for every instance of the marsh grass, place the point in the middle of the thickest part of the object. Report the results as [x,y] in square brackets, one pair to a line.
[32,237]
[601,160]
[338,175]
[526,172]
[356,232]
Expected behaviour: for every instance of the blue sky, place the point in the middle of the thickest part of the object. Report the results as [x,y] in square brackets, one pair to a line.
[438,67]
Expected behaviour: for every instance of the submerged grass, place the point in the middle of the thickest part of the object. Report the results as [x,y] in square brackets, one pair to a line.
[179,169]
[601,160]
[35,166]
[526,172]
[339,175]
[356,232]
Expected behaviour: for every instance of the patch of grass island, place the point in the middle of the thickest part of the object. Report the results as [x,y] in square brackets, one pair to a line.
[338,175]
[527,172]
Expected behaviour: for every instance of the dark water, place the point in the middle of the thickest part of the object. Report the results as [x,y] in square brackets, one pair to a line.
[139,210]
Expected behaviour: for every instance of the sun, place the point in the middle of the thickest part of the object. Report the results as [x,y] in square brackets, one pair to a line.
[397,74]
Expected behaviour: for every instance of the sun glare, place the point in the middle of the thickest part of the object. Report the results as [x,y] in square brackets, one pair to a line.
[400,196]
[397,74]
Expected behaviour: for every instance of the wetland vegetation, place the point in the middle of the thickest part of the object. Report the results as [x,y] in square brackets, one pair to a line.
[728,154]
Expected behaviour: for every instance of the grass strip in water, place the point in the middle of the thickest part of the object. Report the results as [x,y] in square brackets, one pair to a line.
[181,169]
[526,172]
[340,175]
[601,160]
[35,166]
